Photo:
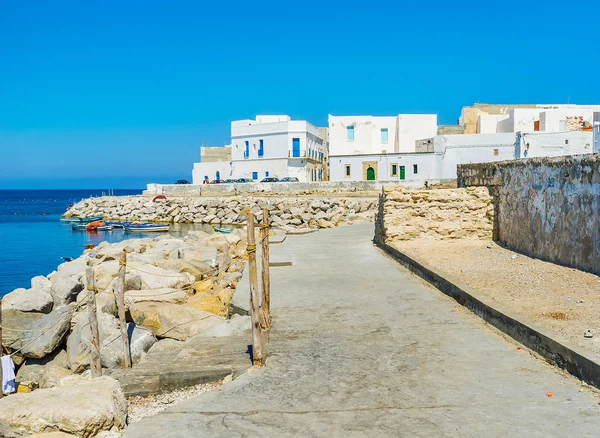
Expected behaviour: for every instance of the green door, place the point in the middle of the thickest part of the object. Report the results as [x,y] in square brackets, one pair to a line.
[370,174]
[402,172]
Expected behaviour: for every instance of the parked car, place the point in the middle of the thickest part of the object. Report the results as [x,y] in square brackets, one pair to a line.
[244,180]
[270,179]
[216,181]
[228,181]
[289,179]
[182,181]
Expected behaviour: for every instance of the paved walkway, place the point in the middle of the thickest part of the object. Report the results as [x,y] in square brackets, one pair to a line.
[362,348]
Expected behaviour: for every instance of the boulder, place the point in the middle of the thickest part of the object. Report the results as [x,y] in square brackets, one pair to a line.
[218,241]
[82,407]
[156,278]
[53,435]
[237,325]
[52,375]
[197,269]
[28,300]
[47,333]
[200,256]
[166,345]
[65,288]
[164,295]
[105,302]
[41,284]
[174,321]
[209,303]
[8,432]
[18,321]
[33,370]
[111,347]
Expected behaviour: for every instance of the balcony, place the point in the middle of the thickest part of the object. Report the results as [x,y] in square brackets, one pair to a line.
[302,155]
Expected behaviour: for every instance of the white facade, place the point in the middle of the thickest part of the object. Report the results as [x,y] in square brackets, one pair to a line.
[356,135]
[596,135]
[451,150]
[270,146]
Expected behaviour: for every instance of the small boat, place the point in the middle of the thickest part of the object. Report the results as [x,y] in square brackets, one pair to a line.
[146,228]
[92,226]
[222,230]
[119,225]
[81,219]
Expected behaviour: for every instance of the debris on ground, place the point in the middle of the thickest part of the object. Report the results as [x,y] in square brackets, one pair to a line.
[588,333]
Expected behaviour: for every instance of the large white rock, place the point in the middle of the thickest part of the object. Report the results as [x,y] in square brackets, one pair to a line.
[112,354]
[65,287]
[174,321]
[28,300]
[82,407]
[155,278]
[47,333]
[164,295]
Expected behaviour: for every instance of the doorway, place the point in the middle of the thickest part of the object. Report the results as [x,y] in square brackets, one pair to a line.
[402,172]
[370,174]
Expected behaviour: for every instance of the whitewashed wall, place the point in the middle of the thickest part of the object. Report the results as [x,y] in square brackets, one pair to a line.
[596,134]
[413,127]
[553,144]
[210,170]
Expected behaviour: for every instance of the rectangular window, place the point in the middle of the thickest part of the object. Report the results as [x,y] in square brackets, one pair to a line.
[254,175]
[247,150]
[347,171]
[261,148]
[295,147]
[267,173]
[394,170]
[415,169]
[495,152]
[384,135]
[350,131]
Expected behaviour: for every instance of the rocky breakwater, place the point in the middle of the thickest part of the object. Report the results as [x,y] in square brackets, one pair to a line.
[283,212]
[434,214]
[175,289]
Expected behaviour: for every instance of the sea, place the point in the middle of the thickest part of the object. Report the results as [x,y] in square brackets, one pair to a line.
[33,240]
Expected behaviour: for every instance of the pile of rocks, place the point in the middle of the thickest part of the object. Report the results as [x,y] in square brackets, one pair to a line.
[294,212]
[175,288]
[436,214]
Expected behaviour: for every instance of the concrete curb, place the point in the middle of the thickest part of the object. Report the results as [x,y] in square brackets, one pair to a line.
[558,352]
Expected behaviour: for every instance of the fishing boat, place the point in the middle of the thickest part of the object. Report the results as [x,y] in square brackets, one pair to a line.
[119,225]
[222,230]
[81,219]
[146,228]
[92,226]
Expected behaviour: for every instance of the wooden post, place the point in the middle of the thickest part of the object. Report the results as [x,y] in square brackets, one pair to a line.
[121,302]
[266,280]
[254,309]
[1,350]
[95,363]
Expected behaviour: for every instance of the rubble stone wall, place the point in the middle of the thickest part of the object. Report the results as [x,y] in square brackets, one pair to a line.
[437,214]
[296,212]
[546,207]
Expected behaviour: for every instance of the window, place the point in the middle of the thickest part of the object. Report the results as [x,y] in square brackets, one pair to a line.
[394,170]
[384,135]
[261,148]
[415,169]
[566,141]
[266,173]
[247,150]
[495,152]
[350,132]
[255,175]
[347,171]
[295,147]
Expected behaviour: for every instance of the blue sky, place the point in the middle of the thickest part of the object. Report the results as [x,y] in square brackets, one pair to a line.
[116,94]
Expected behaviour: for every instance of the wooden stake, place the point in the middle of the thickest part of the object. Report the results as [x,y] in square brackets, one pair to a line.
[254,309]
[266,279]
[121,308]
[95,363]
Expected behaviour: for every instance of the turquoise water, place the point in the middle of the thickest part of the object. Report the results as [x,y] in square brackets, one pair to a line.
[33,240]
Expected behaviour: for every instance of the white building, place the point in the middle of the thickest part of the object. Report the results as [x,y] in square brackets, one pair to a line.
[355,135]
[270,146]
[437,158]
[597,133]
[215,164]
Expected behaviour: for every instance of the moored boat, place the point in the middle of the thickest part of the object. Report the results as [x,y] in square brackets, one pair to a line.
[222,230]
[146,228]
[92,226]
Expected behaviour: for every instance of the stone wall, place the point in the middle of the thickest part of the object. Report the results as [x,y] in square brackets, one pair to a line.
[294,212]
[340,188]
[546,207]
[437,214]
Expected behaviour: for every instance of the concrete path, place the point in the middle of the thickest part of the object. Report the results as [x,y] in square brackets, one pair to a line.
[362,348]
